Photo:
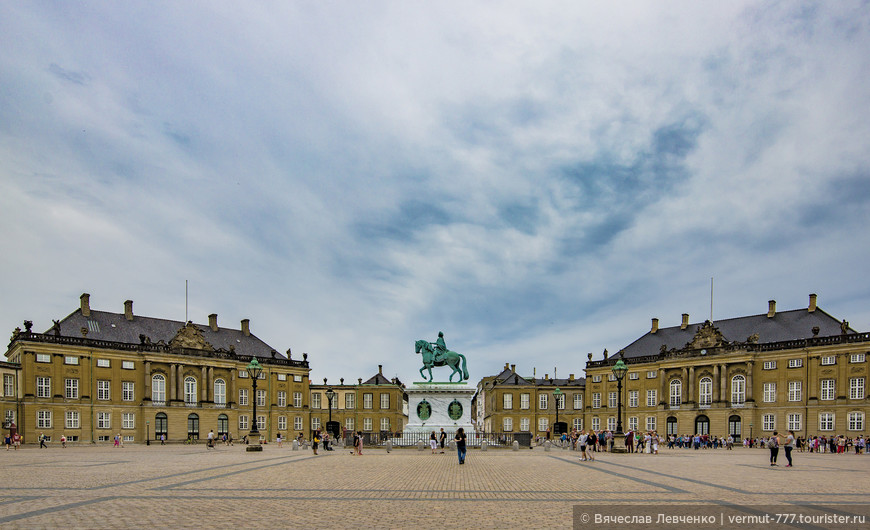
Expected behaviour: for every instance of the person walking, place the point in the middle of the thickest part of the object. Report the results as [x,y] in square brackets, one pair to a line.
[210,443]
[773,445]
[63,441]
[789,446]
[162,439]
[460,444]
[42,441]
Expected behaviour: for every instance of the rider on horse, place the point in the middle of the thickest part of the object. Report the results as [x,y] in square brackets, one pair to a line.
[440,348]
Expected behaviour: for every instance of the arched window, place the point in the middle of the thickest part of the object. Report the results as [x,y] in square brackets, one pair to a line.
[190,390]
[220,392]
[734,426]
[161,424]
[158,389]
[702,425]
[223,425]
[676,392]
[738,390]
[193,427]
[672,425]
[705,391]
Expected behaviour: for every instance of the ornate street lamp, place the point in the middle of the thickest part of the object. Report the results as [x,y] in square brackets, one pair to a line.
[254,370]
[619,369]
[330,394]
[556,395]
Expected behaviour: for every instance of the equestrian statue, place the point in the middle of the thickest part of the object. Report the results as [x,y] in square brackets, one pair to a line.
[437,354]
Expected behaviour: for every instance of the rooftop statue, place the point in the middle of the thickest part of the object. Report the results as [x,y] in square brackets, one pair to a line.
[437,354]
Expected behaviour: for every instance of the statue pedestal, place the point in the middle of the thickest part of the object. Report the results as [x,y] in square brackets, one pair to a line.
[432,406]
[619,443]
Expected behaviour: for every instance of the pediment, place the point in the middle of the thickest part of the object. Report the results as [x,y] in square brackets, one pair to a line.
[190,337]
[707,336]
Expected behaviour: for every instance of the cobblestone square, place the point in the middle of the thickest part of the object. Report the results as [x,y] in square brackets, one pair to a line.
[190,486]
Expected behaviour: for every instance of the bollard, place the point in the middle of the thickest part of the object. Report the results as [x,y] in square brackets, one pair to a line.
[295,445]
[389,445]
[516,445]
[452,445]
[483,445]
[420,445]
[547,446]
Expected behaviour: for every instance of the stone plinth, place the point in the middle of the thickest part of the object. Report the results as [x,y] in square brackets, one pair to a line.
[433,406]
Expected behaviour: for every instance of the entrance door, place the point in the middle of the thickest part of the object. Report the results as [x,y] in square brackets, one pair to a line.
[161,426]
[223,425]
[193,427]
[672,426]
[702,425]
[734,426]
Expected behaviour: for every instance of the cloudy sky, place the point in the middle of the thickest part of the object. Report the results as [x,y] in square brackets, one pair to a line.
[536,179]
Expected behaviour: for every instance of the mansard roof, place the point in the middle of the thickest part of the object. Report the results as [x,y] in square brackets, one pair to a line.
[114,327]
[782,326]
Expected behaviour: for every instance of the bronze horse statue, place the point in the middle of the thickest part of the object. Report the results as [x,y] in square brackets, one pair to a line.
[451,359]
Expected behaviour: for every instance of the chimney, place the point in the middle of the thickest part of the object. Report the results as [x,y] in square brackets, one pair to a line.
[212,321]
[506,365]
[381,369]
[86,304]
[771,308]
[685,323]
[546,376]
[655,325]
[570,377]
[128,310]
[359,380]
[513,368]
[246,327]
[812,307]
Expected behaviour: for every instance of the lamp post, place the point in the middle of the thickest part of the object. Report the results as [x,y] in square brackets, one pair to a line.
[330,394]
[147,434]
[556,395]
[619,370]
[751,439]
[254,370]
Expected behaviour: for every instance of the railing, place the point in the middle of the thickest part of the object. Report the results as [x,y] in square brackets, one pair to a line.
[158,403]
[474,439]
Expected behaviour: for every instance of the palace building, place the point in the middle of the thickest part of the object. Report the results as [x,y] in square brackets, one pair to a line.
[800,370]
[97,374]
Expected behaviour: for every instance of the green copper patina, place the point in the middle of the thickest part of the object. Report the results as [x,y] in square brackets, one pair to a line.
[437,354]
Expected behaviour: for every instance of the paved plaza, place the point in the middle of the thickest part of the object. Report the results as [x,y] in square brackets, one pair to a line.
[189,486]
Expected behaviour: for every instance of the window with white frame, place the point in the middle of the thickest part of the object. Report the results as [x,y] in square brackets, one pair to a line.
[578,401]
[158,388]
[705,391]
[297,423]
[261,398]
[385,403]
[71,389]
[770,365]
[507,401]
[350,400]
[828,360]
[72,419]
[297,378]
[243,422]
[596,423]
[856,388]
[651,398]
[282,398]
[104,420]
[769,393]
[43,358]
[611,399]
[220,392]
[8,385]
[826,389]
[507,424]
[650,423]
[738,390]
[243,397]
[243,374]
[596,400]
[103,363]
[525,399]
[794,422]
[9,416]
[282,377]
[543,401]
[190,396]
[596,378]
[826,421]
[368,402]
[577,423]
[795,391]
[560,401]
[543,424]
[611,423]
[651,374]
[795,363]
[676,393]
[348,424]
[128,391]
[43,419]
[315,400]
[768,422]
[524,425]
[633,398]
[128,365]
[856,421]
[128,420]
[261,423]
[611,377]
[70,359]
[634,376]
[282,423]
[297,399]
[367,424]
[632,423]
[857,358]
[104,390]
[43,387]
